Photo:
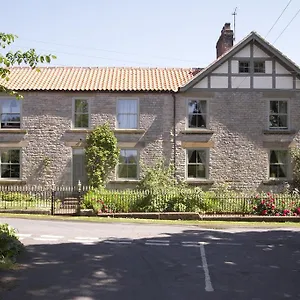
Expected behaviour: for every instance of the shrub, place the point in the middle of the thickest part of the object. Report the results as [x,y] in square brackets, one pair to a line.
[10,246]
[102,155]
[276,205]
[16,196]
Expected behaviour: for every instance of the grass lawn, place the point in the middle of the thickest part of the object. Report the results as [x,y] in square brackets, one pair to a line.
[200,223]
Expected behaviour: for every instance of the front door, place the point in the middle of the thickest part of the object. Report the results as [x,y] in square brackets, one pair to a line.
[79,170]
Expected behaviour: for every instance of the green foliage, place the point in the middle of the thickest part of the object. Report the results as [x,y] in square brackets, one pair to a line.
[10,246]
[16,196]
[102,155]
[295,154]
[158,176]
[29,57]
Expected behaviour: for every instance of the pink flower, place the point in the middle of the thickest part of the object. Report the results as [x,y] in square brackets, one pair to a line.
[295,214]
[277,214]
[264,212]
[257,196]
[263,202]
[298,210]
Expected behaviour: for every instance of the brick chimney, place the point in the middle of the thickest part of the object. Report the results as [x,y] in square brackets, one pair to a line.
[225,41]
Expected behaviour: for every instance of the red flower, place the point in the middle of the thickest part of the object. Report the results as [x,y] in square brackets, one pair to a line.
[298,210]
[264,212]
[263,201]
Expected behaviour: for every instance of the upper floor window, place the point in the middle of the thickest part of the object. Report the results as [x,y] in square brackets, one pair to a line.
[197,114]
[127,113]
[81,113]
[10,163]
[278,114]
[278,164]
[259,67]
[196,163]
[128,164]
[10,113]
[244,66]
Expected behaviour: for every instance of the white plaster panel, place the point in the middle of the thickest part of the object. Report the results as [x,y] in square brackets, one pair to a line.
[297,84]
[222,69]
[280,69]
[268,66]
[257,52]
[202,84]
[219,81]
[245,52]
[284,82]
[241,82]
[234,66]
[262,82]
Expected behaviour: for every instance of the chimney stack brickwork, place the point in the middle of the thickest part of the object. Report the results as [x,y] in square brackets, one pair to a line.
[225,41]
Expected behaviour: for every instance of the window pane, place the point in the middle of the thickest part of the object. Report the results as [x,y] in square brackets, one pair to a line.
[196,171]
[259,67]
[127,106]
[282,105]
[82,121]
[274,107]
[282,121]
[127,121]
[81,106]
[5,157]
[14,156]
[10,171]
[132,171]
[197,113]
[11,106]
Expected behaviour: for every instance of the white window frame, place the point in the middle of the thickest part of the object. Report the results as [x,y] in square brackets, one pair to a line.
[137,115]
[89,112]
[21,108]
[187,114]
[206,150]
[137,166]
[288,114]
[20,165]
[288,166]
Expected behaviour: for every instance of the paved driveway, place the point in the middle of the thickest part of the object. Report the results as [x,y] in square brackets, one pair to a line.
[87,261]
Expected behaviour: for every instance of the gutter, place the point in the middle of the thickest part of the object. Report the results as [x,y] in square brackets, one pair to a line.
[174,132]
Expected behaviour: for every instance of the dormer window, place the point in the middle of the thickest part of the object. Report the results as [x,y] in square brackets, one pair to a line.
[259,67]
[244,67]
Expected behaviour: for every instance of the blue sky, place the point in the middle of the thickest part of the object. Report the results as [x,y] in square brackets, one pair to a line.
[156,33]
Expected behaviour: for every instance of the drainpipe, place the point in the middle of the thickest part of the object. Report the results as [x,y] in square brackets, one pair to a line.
[174,132]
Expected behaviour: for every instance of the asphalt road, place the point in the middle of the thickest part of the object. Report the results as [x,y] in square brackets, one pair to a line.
[89,261]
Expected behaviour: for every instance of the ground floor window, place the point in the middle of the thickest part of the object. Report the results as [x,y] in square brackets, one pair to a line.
[128,164]
[79,166]
[10,163]
[278,164]
[196,163]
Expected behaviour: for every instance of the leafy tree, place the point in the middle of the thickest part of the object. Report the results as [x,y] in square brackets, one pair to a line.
[102,155]
[29,57]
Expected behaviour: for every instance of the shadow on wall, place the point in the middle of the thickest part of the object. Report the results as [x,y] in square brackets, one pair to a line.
[242,265]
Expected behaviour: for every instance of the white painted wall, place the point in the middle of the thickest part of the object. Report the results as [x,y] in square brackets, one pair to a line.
[222,69]
[240,82]
[245,52]
[203,84]
[257,52]
[268,66]
[279,69]
[234,66]
[297,84]
[219,82]
[261,82]
[284,82]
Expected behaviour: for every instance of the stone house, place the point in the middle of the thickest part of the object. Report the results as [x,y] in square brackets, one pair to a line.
[232,122]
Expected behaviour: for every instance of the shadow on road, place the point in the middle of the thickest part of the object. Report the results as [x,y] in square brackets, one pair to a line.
[242,265]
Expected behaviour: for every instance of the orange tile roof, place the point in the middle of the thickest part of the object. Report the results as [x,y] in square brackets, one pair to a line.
[98,79]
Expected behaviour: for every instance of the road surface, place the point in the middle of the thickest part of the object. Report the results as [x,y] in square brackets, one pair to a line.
[88,261]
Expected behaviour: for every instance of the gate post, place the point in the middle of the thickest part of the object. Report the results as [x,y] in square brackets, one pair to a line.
[52,199]
[79,186]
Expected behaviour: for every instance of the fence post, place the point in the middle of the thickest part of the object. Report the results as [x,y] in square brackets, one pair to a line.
[244,206]
[52,199]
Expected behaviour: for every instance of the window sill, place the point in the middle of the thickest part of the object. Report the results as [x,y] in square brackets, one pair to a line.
[79,130]
[12,182]
[199,181]
[13,130]
[197,131]
[130,131]
[277,131]
[274,181]
[125,181]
